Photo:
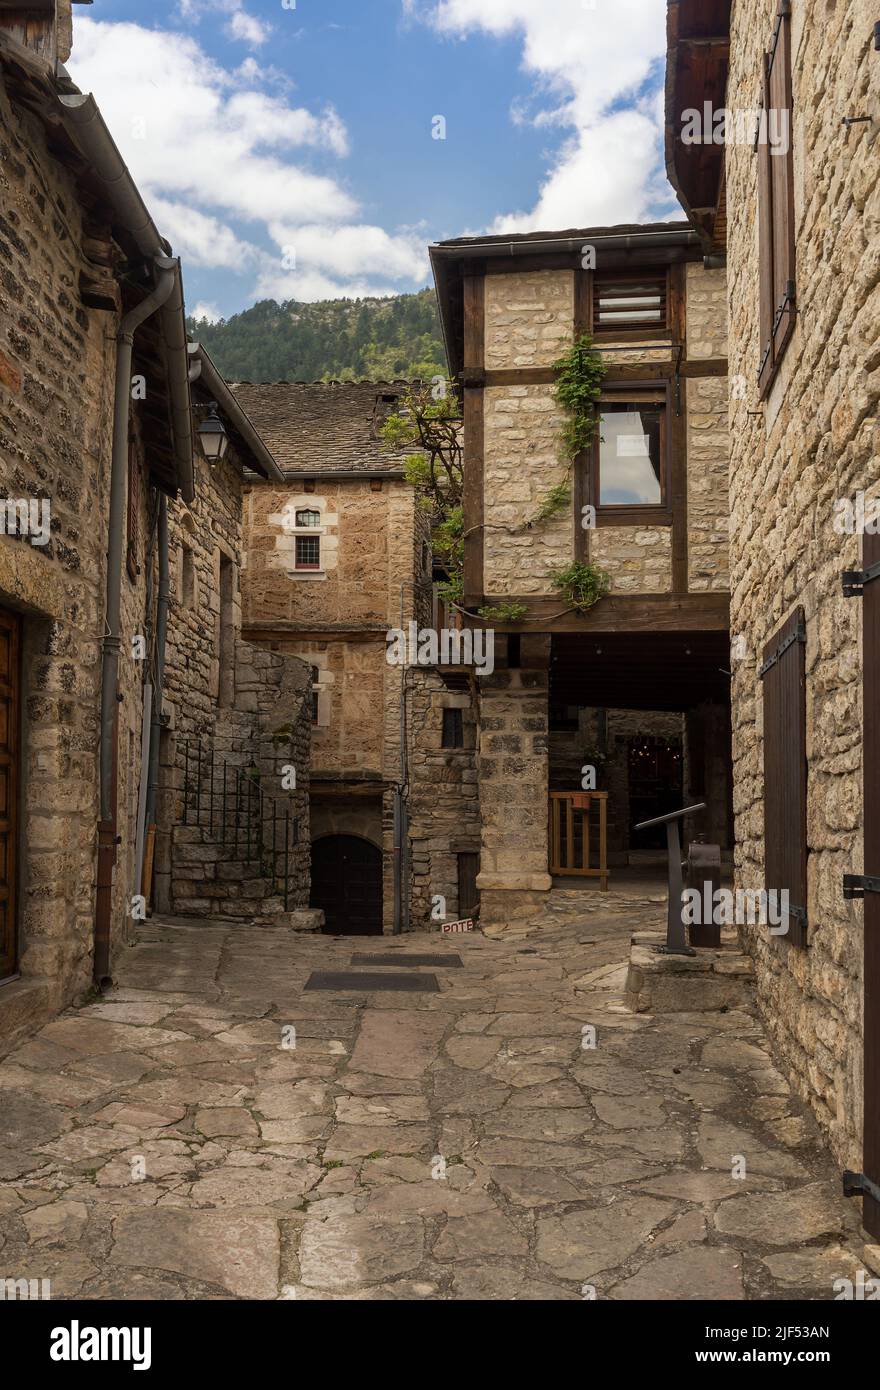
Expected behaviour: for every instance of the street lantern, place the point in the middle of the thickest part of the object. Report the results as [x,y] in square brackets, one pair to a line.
[212,435]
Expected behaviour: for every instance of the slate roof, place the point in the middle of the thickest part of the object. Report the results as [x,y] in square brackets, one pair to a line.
[323,426]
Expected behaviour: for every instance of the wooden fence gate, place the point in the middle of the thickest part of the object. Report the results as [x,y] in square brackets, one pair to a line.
[573,835]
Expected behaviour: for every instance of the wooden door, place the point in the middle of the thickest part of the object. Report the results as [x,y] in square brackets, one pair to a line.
[468,896]
[10,631]
[871,766]
[347,885]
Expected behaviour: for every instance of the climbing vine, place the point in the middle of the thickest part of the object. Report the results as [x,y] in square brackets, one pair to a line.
[579,375]
[582,584]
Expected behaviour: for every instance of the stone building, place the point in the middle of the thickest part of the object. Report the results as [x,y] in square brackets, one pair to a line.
[336,559]
[653,653]
[97,462]
[232,770]
[88,464]
[792,196]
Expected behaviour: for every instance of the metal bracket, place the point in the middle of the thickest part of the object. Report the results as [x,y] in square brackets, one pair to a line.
[799,635]
[857,885]
[856,1183]
[854,581]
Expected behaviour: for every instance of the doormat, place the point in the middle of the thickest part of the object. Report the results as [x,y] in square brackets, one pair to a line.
[365,983]
[398,958]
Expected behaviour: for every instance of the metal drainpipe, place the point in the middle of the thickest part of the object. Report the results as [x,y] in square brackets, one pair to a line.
[166,275]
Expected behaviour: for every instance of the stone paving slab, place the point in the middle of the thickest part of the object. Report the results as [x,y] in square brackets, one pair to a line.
[208,1131]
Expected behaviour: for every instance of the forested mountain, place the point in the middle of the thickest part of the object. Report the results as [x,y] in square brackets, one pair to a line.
[346,339]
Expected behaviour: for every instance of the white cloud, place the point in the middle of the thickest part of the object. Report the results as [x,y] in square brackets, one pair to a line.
[248,28]
[206,313]
[353,250]
[588,63]
[240,24]
[202,240]
[213,151]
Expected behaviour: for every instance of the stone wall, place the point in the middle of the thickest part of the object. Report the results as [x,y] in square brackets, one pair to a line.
[521,463]
[512,766]
[814,440]
[56,385]
[637,559]
[366,535]
[529,317]
[705,312]
[442,801]
[708,450]
[226,701]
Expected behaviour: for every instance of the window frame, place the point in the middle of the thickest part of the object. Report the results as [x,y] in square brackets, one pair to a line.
[305,535]
[455,717]
[636,513]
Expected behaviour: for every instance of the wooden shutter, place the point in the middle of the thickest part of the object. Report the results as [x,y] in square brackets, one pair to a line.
[776,201]
[785,771]
[468,896]
[629,303]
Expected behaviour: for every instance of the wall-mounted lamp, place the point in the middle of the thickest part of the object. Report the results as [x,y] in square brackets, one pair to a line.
[212,435]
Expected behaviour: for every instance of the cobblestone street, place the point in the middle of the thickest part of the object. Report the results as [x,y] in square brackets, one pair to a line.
[167,1143]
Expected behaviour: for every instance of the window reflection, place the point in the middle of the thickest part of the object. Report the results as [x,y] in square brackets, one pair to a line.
[630,455]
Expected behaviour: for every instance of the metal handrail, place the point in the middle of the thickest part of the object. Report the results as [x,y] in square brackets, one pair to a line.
[241,789]
[676,938]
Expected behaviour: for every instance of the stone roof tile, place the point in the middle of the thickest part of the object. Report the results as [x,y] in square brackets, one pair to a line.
[322,426]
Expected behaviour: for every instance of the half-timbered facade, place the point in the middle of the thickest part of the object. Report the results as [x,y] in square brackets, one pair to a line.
[646,506]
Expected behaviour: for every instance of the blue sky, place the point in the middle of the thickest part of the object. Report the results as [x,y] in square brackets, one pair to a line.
[288,151]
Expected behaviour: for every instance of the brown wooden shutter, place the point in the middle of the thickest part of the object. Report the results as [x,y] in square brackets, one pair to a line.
[785,770]
[765,248]
[776,201]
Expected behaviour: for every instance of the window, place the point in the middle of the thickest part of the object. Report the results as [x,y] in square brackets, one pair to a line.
[785,774]
[308,552]
[630,462]
[630,304]
[316,693]
[308,517]
[776,249]
[453,728]
[187,578]
[226,645]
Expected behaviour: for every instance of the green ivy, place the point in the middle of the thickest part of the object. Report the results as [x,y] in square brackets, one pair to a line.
[579,375]
[582,584]
[556,500]
[504,612]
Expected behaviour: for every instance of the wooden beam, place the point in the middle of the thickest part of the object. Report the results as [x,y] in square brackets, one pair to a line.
[618,371]
[474,289]
[630,613]
[295,632]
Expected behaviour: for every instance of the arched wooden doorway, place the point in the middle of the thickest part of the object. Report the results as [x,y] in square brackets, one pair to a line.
[347,885]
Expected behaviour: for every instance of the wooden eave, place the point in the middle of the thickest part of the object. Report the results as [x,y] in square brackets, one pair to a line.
[697,60]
